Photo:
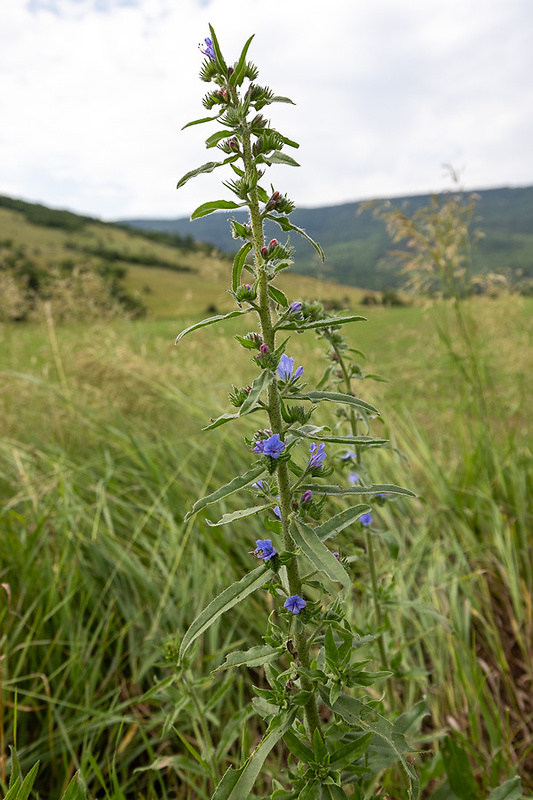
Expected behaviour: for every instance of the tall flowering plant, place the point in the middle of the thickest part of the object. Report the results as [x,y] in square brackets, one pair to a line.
[311,659]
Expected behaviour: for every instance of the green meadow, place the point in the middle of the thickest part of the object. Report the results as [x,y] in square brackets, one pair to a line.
[101,456]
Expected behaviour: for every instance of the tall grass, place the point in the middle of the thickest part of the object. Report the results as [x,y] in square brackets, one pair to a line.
[100,458]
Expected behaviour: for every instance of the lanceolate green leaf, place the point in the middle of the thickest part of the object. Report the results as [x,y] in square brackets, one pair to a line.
[227,418]
[295,325]
[233,486]
[340,521]
[278,296]
[254,657]
[238,264]
[211,321]
[208,167]
[200,121]
[230,597]
[318,554]
[278,157]
[213,205]
[286,225]
[243,512]
[236,77]
[335,397]
[241,788]
[350,752]
[219,58]
[349,441]
[259,385]
[377,488]
[216,137]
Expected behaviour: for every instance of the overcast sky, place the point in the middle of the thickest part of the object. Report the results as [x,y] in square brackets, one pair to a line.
[94,93]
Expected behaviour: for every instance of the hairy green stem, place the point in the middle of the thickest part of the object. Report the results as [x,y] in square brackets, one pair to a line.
[274,413]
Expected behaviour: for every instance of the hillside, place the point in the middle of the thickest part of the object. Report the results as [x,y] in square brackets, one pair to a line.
[50,253]
[357,245]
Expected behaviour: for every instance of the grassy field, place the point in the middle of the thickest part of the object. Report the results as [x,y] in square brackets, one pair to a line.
[101,456]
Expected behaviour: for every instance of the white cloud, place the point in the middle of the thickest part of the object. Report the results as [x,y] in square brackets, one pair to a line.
[95,92]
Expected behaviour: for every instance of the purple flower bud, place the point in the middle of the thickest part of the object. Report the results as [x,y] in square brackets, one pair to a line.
[264,349]
[307,496]
[259,446]
[264,252]
[336,555]
[366,520]
[294,604]
[353,477]
[277,511]
[272,244]
[295,307]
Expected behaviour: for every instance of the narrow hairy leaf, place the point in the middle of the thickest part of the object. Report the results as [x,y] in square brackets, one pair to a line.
[278,157]
[236,77]
[298,748]
[318,554]
[200,121]
[350,752]
[208,167]
[216,137]
[258,386]
[340,521]
[76,789]
[238,263]
[229,488]
[277,295]
[362,441]
[20,790]
[336,397]
[216,423]
[241,514]
[213,205]
[211,321]
[219,58]
[377,488]
[327,322]
[286,225]
[230,597]
[254,657]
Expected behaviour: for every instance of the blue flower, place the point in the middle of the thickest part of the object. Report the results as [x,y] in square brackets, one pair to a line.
[294,603]
[272,446]
[349,454]
[258,484]
[353,477]
[318,454]
[207,48]
[366,520]
[286,368]
[295,307]
[265,549]
[277,509]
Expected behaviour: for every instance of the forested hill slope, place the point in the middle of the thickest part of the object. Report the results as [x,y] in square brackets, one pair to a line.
[357,245]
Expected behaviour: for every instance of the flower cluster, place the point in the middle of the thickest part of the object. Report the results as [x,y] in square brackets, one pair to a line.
[318,455]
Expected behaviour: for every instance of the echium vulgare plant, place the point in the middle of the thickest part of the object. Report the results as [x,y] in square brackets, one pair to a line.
[310,651]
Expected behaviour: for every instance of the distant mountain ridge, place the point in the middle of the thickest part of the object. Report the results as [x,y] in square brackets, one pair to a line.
[357,245]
